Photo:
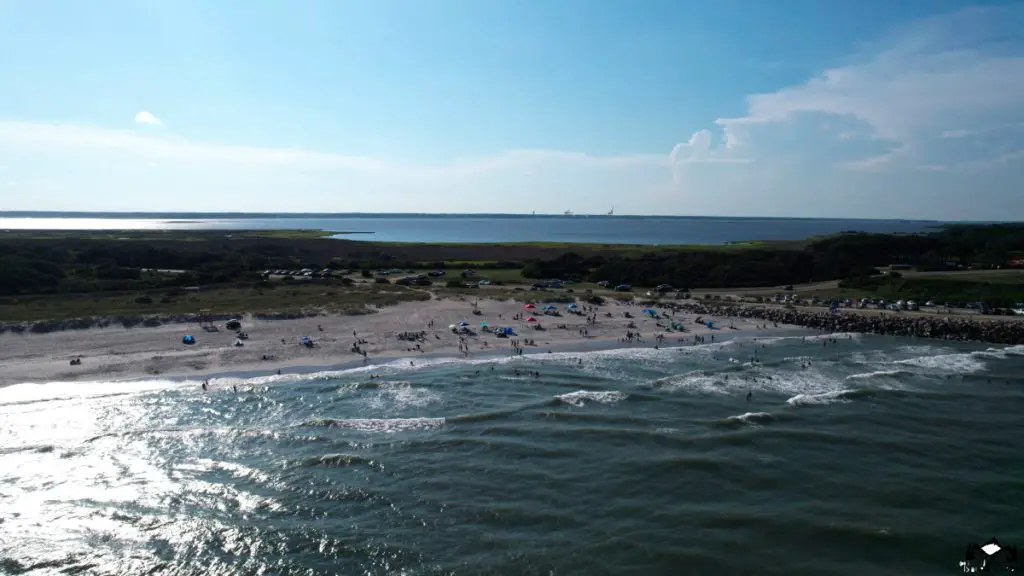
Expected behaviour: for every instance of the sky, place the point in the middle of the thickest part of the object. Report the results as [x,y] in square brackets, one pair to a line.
[806,108]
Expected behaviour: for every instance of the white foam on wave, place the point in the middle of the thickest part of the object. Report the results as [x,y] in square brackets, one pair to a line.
[696,381]
[821,399]
[925,349]
[877,374]
[389,424]
[401,394]
[1000,353]
[582,397]
[35,392]
[856,336]
[803,381]
[955,363]
[751,418]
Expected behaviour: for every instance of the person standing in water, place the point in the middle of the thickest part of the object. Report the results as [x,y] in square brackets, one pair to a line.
[750,394]
[204,385]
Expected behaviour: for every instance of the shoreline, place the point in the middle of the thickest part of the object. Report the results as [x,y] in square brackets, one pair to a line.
[429,359]
[416,330]
[407,331]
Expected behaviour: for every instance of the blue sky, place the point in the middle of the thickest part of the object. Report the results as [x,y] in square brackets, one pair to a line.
[906,109]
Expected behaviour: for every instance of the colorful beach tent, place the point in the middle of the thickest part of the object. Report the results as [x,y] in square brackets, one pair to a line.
[188,339]
[529,306]
[483,324]
[531,319]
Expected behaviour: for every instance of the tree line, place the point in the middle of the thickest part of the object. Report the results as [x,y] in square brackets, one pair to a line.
[67,265]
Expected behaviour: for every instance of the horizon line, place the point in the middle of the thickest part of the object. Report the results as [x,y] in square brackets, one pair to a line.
[250,215]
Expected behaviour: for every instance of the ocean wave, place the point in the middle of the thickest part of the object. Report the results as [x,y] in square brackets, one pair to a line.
[697,381]
[746,419]
[581,397]
[401,394]
[879,374]
[1000,353]
[855,336]
[955,363]
[338,461]
[826,398]
[50,391]
[378,424]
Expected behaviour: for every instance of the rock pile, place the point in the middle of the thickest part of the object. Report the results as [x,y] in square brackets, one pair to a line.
[921,326]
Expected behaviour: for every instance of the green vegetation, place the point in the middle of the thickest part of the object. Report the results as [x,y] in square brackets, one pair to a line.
[54,274]
[233,300]
[943,290]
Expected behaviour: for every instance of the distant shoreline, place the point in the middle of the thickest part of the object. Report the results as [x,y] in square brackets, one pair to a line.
[199,217]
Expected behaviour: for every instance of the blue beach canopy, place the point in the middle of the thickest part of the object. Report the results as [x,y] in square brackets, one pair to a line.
[188,339]
[483,324]
[573,305]
[463,323]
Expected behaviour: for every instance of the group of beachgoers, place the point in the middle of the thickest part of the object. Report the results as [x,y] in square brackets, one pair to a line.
[921,326]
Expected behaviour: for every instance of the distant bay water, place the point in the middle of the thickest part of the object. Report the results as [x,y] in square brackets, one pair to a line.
[482,228]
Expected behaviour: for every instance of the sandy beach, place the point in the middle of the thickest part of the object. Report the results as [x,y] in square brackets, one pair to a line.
[117,353]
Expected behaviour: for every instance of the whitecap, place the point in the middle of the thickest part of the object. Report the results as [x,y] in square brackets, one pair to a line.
[752,418]
[581,397]
[877,374]
[955,363]
[826,398]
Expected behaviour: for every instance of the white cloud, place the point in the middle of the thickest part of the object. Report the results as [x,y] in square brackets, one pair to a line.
[147,118]
[925,82]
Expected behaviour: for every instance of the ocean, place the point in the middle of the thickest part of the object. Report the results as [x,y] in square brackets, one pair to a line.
[649,230]
[855,455]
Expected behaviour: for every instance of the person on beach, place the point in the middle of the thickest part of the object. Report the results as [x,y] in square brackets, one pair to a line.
[204,385]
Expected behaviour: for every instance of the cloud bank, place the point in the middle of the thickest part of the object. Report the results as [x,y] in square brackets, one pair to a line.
[927,123]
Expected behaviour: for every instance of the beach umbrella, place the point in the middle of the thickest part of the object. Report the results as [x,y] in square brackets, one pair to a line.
[451,326]
[550,307]
[573,305]
[529,306]
[531,319]
[463,324]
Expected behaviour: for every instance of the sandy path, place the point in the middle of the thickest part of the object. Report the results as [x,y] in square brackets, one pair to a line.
[120,353]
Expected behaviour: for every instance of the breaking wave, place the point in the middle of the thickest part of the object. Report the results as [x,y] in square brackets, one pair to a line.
[826,398]
[378,424]
[582,397]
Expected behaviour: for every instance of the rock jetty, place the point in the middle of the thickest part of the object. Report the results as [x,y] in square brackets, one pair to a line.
[962,328]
